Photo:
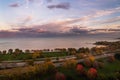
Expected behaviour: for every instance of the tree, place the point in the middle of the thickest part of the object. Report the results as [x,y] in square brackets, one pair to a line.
[72,51]
[17,51]
[36,54]
[4,52]
[10,51]
[27,51]
[0,52]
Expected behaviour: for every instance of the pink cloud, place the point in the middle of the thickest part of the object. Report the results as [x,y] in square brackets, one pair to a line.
[14,5]
[60,6]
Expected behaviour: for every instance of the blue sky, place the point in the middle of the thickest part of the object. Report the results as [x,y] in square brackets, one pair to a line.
[59,16]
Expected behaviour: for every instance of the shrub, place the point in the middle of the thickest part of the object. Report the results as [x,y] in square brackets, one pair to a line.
[80,69]
[117,56]
[111,58]
[92,73]
[47,59]
[50,67]
[87,63]
[80,56]
[29,72]
[102,77]
[101,64]
[92,58]
[95,64]
[60,76]
[47,67]
[70,64]
[29,62]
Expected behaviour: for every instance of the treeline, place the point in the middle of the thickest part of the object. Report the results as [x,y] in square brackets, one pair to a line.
[70,51]
[18,54]
[111,45]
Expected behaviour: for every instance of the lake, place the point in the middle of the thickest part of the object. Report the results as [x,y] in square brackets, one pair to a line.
[51,43]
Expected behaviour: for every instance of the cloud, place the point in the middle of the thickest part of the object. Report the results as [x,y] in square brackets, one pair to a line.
[79,30]
[60,6]
[31,30]
[100,13]
[31,0]
[73,31]
[71,21]
[14,5]
[118,26]
[108,21]
[49,1]
[22,21]
[112,20]
[6,33]
[105,31]
[90,17]
[28,18]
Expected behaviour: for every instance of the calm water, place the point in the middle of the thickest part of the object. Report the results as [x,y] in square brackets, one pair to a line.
[44,43]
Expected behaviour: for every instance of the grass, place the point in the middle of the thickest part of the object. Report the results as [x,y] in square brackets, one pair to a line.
[108,70]
[54,54]
[7,57]
[25,56]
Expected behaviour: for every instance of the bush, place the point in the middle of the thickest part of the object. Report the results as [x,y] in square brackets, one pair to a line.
[87,63]
[80,69]
[29,72]
[92,58]
[70,64]
[50,67]
[60,76]
[117,56]
[92,73]
[111,58]
[102,77]
[29,62]
[101,64]
[95,64]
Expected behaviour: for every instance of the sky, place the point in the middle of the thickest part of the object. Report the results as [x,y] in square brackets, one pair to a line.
[54,18]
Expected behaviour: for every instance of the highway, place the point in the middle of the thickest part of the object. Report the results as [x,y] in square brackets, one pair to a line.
[57,63]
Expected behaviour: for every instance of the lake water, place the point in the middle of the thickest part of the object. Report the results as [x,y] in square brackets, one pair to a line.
[51,43]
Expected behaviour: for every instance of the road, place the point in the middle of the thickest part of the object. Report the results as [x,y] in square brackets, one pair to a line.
[57,63]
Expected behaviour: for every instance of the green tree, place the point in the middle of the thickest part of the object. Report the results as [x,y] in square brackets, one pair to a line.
[10,51]
[4,52]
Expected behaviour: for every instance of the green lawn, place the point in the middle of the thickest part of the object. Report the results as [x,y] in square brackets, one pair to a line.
[25,56]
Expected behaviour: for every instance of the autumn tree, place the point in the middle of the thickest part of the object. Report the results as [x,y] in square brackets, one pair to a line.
[36,54]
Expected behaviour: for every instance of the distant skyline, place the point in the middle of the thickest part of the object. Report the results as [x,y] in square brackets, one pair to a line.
[51,18]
